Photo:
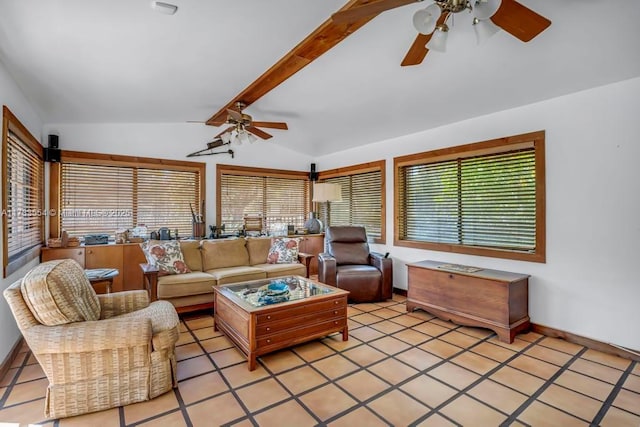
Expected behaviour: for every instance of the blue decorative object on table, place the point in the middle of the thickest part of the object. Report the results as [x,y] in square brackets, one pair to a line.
[273,293]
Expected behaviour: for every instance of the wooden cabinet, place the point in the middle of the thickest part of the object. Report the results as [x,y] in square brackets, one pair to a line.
[126,258]
[132,276]
[48,254]
[312,244]
[106,256]
[493,299]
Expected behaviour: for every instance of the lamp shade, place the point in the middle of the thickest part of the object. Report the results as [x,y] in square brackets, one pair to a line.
[424,20]
[327,192]
[484,29]
[484,9]
[438,40]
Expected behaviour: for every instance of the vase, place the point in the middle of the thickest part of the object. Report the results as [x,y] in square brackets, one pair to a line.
[313,224]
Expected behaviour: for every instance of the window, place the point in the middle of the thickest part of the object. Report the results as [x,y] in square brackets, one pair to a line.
[363,194]
[101,194]
[22,189]
[279,197]
[485,199]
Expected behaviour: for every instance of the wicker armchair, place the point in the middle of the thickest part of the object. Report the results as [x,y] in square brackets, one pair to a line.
[98,351]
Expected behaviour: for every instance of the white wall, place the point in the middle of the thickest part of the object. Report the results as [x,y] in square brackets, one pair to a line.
[12,97]
[175,141]
[590,284]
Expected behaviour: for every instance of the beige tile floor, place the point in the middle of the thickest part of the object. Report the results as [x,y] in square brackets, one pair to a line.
[396,369]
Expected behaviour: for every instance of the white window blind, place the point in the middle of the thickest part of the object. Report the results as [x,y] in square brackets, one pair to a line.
[104,198]
[277,200]
[361,202]
[24,198]
[486,201]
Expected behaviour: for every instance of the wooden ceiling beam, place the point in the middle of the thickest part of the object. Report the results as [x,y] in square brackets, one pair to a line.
[323,38]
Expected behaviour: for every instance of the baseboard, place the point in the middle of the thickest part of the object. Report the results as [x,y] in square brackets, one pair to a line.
[402,292]
[8,361]
[586,342]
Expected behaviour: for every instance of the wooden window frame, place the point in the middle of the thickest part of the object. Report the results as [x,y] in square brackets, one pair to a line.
[11,123]
[222,169]
[55,175]
[494,146]
[379,165]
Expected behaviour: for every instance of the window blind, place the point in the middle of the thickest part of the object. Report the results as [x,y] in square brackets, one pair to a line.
[25,201]
[361,202]
[277,200]
[104,198]
[486,201]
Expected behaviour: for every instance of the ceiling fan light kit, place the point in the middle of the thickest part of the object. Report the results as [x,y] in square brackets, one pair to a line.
[425,20]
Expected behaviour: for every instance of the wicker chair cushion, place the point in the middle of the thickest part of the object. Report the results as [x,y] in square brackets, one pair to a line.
[58,292]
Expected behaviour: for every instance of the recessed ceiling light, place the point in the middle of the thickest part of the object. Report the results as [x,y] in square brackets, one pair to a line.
[166,8]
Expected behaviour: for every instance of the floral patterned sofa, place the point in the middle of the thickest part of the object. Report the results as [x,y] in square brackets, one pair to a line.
[185,272]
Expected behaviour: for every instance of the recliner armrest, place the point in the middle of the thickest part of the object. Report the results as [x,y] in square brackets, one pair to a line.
[385,265]
[327,269]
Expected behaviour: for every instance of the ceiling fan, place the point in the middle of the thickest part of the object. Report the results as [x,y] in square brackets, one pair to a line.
[431,22]
[243,127]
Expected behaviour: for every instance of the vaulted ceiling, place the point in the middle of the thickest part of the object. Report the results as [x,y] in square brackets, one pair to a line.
[121,62]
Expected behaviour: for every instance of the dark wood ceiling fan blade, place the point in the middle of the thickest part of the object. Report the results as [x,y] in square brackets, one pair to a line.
[272,125]
[257,132]
[417,51]
[519,21]
[373,8]
[230,128]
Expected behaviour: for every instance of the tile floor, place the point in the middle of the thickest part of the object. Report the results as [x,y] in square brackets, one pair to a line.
[396,369]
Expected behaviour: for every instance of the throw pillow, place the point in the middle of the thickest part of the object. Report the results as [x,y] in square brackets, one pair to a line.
[166,255]
[283,251]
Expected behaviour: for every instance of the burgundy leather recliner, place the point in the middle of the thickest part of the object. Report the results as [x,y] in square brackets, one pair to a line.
[348,264]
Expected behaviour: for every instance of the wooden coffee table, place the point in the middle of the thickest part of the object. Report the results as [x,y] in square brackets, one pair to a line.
[312,310]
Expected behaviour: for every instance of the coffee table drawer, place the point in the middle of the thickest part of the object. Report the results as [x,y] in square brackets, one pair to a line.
[302,333]
[300,320]
[288,312]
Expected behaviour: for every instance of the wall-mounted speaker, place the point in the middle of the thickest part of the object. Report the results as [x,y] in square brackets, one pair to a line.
[53,141]
[52,155]
[313,175]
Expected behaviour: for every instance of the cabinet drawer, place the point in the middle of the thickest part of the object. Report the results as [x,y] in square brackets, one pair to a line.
[291,336]
[300,321]
[288,312]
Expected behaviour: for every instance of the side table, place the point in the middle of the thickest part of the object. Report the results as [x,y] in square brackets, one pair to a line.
[99,275]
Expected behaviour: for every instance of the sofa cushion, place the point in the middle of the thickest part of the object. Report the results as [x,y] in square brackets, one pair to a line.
[166,255]
[179,285]
[278,270]
[227,275]
[283,251]
[191,253]
[224,253]
[258,248]
[58,292]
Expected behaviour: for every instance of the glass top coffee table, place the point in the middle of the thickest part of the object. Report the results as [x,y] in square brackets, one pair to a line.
[262,316]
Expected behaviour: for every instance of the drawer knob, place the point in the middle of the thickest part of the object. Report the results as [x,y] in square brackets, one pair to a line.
[335,323]
[268,341]
[336,302]
[268,329]
[335,311]
[451,276]
[268,317]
